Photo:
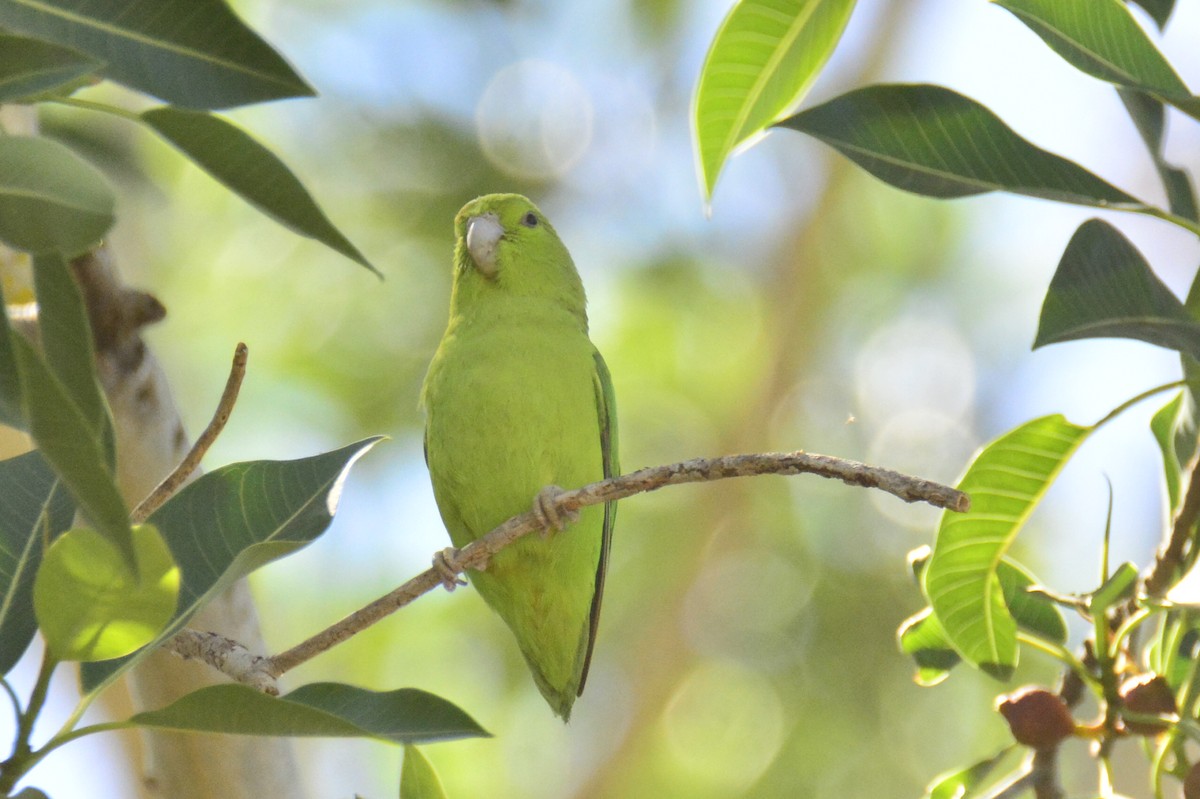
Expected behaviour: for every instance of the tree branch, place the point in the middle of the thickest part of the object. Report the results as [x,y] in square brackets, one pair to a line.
[171,483]
[477,554]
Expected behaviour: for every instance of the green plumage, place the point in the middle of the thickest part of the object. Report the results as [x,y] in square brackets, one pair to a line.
[517,398]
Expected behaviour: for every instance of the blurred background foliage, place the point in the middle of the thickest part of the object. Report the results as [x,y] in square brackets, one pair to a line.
[747,644]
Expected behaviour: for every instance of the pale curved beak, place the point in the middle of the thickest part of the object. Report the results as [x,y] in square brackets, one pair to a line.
[483,234]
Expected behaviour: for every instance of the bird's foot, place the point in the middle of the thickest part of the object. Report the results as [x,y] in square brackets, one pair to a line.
[552,518]
[447,566]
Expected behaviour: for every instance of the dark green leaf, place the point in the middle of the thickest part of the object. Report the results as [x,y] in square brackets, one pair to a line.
[1101,38]
[66,338]
[67,440]
[1005,482]
[418,780]
[1103,287]
[966,782]
[251,171]
[762,61]
[50,198]
[30,793]
[34,509]
[933,141]
[1147,114]
[404,716]
[193,53]
[32,66]
[1159,10]
[235,519]
[91,606]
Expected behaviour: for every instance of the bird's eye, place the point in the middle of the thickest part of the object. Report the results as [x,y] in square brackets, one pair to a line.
[529,220]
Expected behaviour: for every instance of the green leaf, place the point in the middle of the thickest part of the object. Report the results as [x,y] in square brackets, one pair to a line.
[1005,482]
[31,66]
[235,519]
[418,780]
[1159,10]
[68,441]
[331,710]
[251,171]
[1102,39]
[922,636]
[762,60]
[67,347]
[50,198]
[1162,425]
[967,782]
[933,141]
[30,793]
[1103,287]
[34,509]
[1121,585]
[1148,116]
[91,606]
[193,53]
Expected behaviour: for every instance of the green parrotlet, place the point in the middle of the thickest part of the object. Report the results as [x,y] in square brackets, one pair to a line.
[518,399]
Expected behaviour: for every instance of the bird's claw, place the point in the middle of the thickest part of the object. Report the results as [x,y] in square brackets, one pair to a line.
[552,518]
[447,566]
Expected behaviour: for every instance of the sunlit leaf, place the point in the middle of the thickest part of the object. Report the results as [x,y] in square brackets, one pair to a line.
[32,66]
[251,171]
[922,636]
[50,198]
[762,60]
[34,509]
[1162,425]
[235,519]
[333,710]
[66,337]
[1148,116]
[967,782]
[193,53]
[1121,585]
[91,606]
[1005,482]
[1101,38]
[930,140]
[1103,287]
[418,780]
[73,447]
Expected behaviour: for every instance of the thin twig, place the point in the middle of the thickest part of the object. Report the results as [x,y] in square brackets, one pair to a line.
[226,656]
[175,479]
[477,554]
[1168,561]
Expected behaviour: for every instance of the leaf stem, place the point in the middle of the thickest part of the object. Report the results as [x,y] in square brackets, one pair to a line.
[1129,403]
[1167,216]
[22,757]
[1063,654]
[103,108]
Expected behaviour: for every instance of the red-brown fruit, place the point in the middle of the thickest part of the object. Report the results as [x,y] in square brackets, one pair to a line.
[1147,693]
[1036,717]
[1191,783]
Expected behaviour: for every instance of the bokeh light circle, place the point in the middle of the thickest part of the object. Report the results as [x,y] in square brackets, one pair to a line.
[534,120]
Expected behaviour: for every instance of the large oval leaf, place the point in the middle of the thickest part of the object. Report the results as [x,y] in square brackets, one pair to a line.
[32,66]
[1103,287]
[50,198]
[235,519]
[1006,480]
[34,508]
[91,606]
[1101,38]
[250,170]
[404,716]
[193,53]
[930,140]
[764,57]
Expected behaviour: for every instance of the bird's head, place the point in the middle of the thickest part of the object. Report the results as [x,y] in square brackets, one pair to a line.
[506,246]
